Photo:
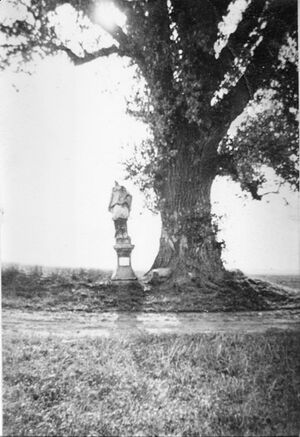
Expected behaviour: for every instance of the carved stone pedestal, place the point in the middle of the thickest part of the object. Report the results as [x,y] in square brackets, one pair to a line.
[124,270]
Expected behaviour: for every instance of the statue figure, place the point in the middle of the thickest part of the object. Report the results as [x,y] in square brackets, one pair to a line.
[120,206]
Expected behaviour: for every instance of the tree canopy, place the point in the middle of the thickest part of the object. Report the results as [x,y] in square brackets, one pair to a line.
[203,59]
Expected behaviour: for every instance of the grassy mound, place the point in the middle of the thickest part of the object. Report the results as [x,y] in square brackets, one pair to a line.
[172,385]
[91,290]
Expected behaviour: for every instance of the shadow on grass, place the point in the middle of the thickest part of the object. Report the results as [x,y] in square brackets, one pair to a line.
[127,296]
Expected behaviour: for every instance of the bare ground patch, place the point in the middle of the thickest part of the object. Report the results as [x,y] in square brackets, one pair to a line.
[74,325]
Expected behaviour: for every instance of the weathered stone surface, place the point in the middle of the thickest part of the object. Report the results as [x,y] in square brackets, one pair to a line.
[119,206]
[158,275]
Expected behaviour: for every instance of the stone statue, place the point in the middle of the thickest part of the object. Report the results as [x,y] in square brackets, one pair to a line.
[120,206]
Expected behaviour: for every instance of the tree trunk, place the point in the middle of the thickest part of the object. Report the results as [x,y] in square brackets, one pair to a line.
[188,244]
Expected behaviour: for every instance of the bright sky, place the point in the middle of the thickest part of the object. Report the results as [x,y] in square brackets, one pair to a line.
[64,131]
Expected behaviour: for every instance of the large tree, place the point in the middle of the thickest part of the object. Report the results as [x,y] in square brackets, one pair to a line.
[203,62]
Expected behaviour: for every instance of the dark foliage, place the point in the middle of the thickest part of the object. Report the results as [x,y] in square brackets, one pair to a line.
[199,76]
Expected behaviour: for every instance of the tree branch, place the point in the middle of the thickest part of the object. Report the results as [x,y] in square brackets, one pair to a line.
[280,18]
[88,57]
[117,34]
[240,37]
[234,102]
[273,192]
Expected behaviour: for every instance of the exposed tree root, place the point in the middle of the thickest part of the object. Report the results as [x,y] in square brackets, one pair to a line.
[235,292]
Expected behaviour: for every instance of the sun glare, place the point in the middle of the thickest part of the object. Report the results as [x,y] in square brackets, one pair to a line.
[108,15]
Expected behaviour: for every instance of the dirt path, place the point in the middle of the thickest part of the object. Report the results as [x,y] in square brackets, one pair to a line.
[72,325]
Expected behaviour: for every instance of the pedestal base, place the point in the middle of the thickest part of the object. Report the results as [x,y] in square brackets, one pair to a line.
[124,273]
[124,270]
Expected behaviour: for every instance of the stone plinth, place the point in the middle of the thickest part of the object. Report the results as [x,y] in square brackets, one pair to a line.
[124,270]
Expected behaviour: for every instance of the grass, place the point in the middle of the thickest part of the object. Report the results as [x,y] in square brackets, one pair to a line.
[38,288]
[292,281]
[155,386]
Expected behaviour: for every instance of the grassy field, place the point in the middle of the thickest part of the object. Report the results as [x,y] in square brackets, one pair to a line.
[171,385]
[292,281]
[37,288]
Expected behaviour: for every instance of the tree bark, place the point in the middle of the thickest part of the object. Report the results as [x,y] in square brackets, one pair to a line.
[188,244]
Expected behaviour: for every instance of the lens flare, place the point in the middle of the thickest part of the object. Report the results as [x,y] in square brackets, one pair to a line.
[108,15]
